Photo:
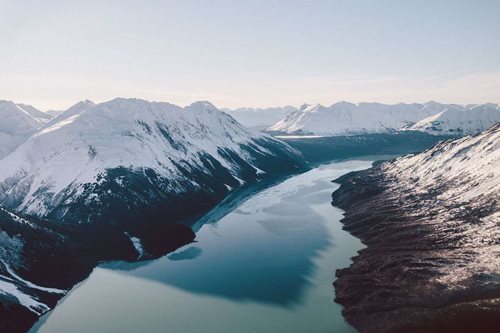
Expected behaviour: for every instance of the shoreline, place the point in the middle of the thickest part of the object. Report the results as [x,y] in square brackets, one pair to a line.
[310,301]
[401,281]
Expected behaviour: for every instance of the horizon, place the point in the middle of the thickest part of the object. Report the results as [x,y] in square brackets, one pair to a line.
[260,54]
[327,105]
[236,166]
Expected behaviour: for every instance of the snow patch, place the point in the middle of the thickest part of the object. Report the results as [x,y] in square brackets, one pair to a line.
[30,284]
[136,242]
[7,288]
[18,218]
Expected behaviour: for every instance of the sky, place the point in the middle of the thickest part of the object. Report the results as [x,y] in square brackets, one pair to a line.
[250,53]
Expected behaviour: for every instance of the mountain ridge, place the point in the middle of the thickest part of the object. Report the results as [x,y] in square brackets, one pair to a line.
[430,222]
[19,122]
[345,118]
[164,140]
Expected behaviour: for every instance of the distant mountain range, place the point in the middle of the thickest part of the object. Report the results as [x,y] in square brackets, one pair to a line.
[20,121]
[122,180]
[346,118]
[260,118]
[456,120]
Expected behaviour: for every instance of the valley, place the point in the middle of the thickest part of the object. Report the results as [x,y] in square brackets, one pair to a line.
[148,185]
[265,265]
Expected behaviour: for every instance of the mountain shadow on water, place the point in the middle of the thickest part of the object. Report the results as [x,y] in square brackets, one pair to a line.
[270,262]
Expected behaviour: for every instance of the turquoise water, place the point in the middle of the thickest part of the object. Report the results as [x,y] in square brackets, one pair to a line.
[267,266]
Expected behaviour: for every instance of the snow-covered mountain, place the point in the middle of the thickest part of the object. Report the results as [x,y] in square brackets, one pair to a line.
[431,224]
[112,160]
[73,110]
[346,118]
[40,116]
[260,118]
[463,170]
[460,120]
[17,123]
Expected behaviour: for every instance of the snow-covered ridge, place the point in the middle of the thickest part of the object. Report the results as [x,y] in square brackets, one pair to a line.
[459,183]
[38,115]
[463,170]
[53,166]
[346,118]
[460,120]
[75,109]
[431,223]
[17,123]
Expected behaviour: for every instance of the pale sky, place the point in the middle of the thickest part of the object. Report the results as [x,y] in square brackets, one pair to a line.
[250,53]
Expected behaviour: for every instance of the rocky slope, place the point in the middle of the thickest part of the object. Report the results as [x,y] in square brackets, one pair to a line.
[41,260]
[431,224]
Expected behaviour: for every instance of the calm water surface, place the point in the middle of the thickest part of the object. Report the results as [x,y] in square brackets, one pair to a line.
[267,266]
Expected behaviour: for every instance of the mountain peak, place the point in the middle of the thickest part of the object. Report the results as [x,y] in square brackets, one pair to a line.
[18,123]
[433,103]
[314,108]
[130,136]
[87,102]
[343,104]
[124,101]
[202,106]
[304,106]
[82,104]
[4,104]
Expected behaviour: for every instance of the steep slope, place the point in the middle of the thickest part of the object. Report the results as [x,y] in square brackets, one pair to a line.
[119,160]
[18,122]
[459,121]
[431,224]
[114,181]
[40,261]
[38,115]
[345,118]
[260,118]
[21,299]
[72,111]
